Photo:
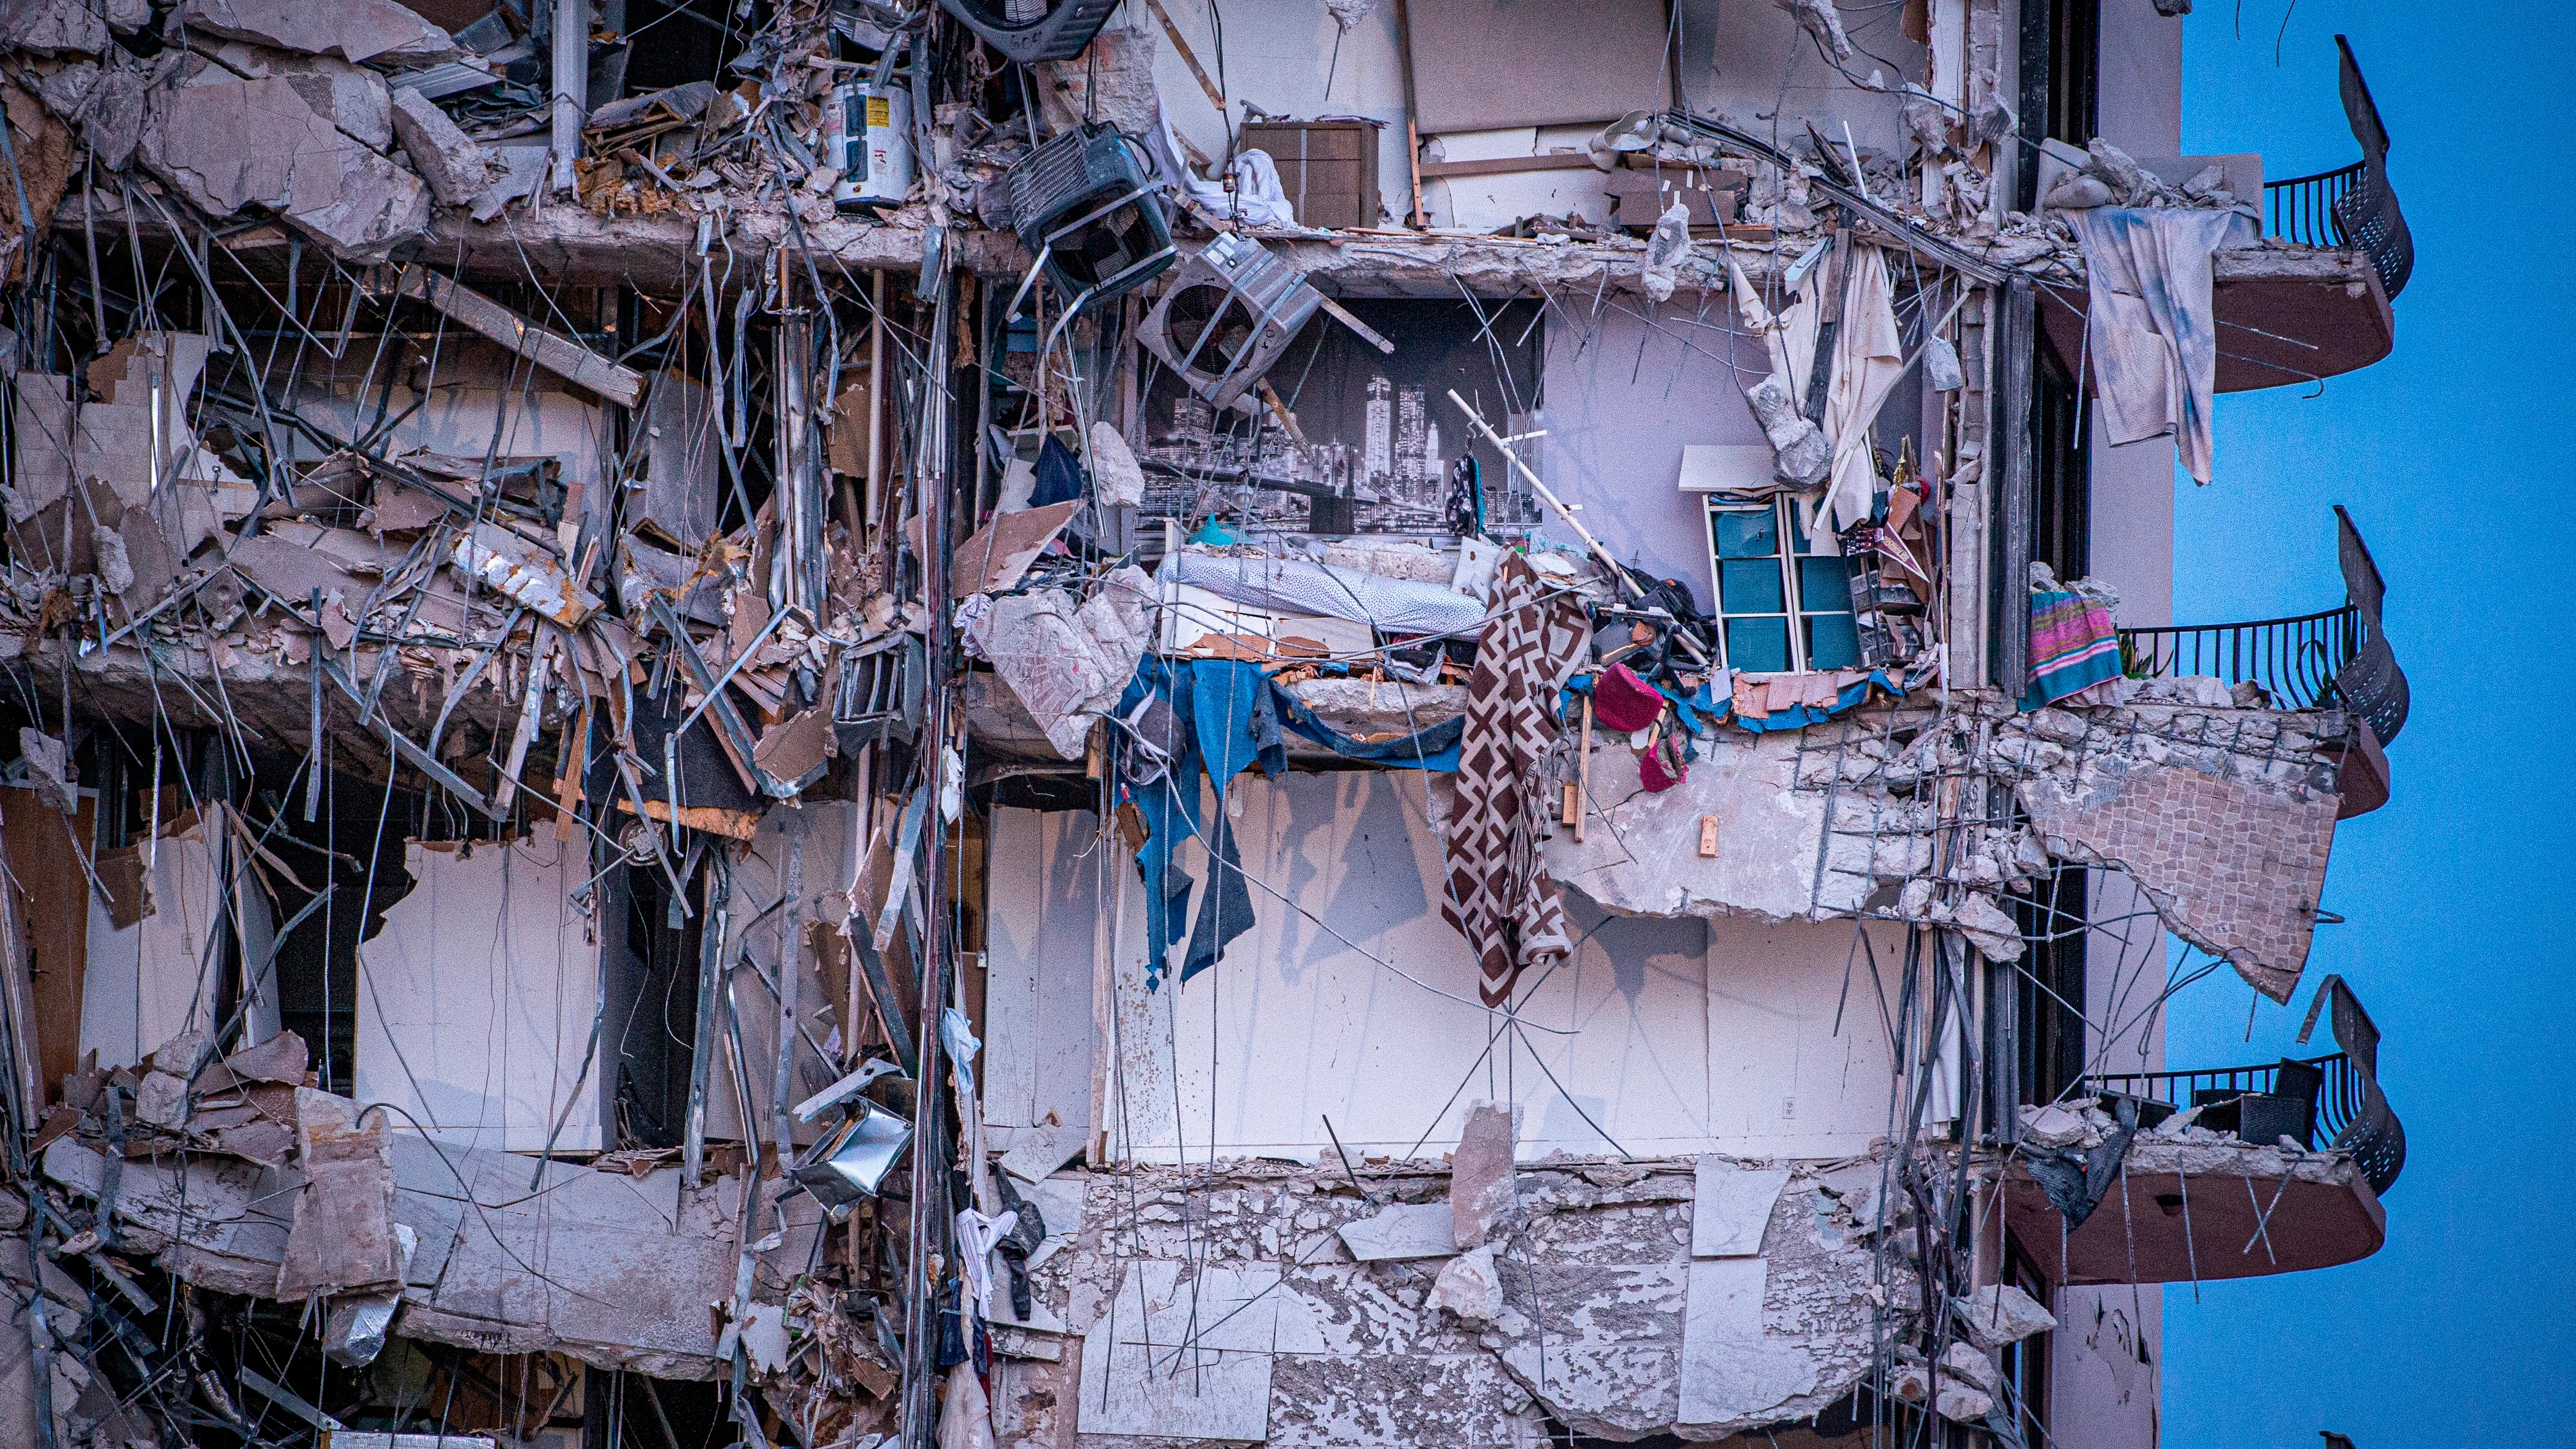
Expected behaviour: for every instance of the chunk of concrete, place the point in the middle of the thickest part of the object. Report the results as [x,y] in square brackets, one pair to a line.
[2052,1126]
[52,27]
[1481,1196]
[1732,1207]
[1731,1371]
[446,158]
[1999,1314]
[161,1100]
[353,30]
[1962,1404]
[1962,1362]
[1405,1230]
[48,770]
[1469,1288]
[229,144]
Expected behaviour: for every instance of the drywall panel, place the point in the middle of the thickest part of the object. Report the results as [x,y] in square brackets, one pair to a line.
[475,1002]
[1626,387]
[1045,896]
[1480,65]
[147,982]
[473,399]
[1798,1058]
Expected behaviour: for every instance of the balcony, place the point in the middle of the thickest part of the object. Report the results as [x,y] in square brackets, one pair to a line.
[2277,1169]
[2334,659]
[2310,300]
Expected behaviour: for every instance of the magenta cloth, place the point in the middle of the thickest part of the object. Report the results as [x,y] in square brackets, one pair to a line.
[1623,701]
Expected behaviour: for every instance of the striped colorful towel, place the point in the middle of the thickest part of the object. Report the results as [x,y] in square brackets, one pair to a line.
[2072,647]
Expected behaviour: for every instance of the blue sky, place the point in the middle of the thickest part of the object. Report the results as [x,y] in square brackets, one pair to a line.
[2450,456]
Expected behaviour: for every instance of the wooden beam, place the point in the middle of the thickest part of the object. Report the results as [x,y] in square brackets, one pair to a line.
[552,351]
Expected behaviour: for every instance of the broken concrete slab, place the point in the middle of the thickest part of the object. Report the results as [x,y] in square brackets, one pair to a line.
[1191,1357]
[1999,1314]
[446,158]
[1732,1372]
[52,27]
[1481,1196]
[351,30]
[2256,906]
[1403,1230]
[1732,1207]
[221,1224]
[229,143]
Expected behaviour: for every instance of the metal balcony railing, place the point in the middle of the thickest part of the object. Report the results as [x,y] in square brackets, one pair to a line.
[2350,206]
[2335,658]
[2336,1098]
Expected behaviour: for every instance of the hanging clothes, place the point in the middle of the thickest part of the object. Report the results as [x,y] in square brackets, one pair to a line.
[2151,327]
[1498,898]
[2073,647]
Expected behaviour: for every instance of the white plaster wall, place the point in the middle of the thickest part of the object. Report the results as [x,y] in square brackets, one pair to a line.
[1623,390]
[2140,106]
[1752,65]
[1663,1036]
[1044,886]
[150,981]
[475,1002]
[1278,56]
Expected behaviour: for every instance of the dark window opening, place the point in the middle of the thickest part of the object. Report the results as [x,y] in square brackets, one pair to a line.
[2049,1021]
[2061,45]
[2061,485]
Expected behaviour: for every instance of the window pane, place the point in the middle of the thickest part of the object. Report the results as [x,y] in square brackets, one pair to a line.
[1832,642]
[1745,534]
[1750,587]
[1758,646]
[1824,586]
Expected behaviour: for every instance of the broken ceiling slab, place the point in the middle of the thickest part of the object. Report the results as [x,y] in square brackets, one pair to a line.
[220,1224]
[1732,1207]
[2254,905]
[558,354]
[228,143]
[446,158]
[352,30]
[1402,1230]
[342,1236]
[1733,1373]
[1643,854]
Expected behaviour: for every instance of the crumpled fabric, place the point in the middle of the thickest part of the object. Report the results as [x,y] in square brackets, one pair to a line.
[1497,897]
[1210,716]
[2076,1181]
[2151,328]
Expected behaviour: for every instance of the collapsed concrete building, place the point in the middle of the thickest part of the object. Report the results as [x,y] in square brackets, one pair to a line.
[837,724]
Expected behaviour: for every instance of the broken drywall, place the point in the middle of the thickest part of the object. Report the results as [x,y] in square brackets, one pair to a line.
[475,1001]
[228,141]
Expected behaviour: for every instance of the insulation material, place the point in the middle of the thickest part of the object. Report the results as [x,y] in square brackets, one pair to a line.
[475,1002]
[148,981]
